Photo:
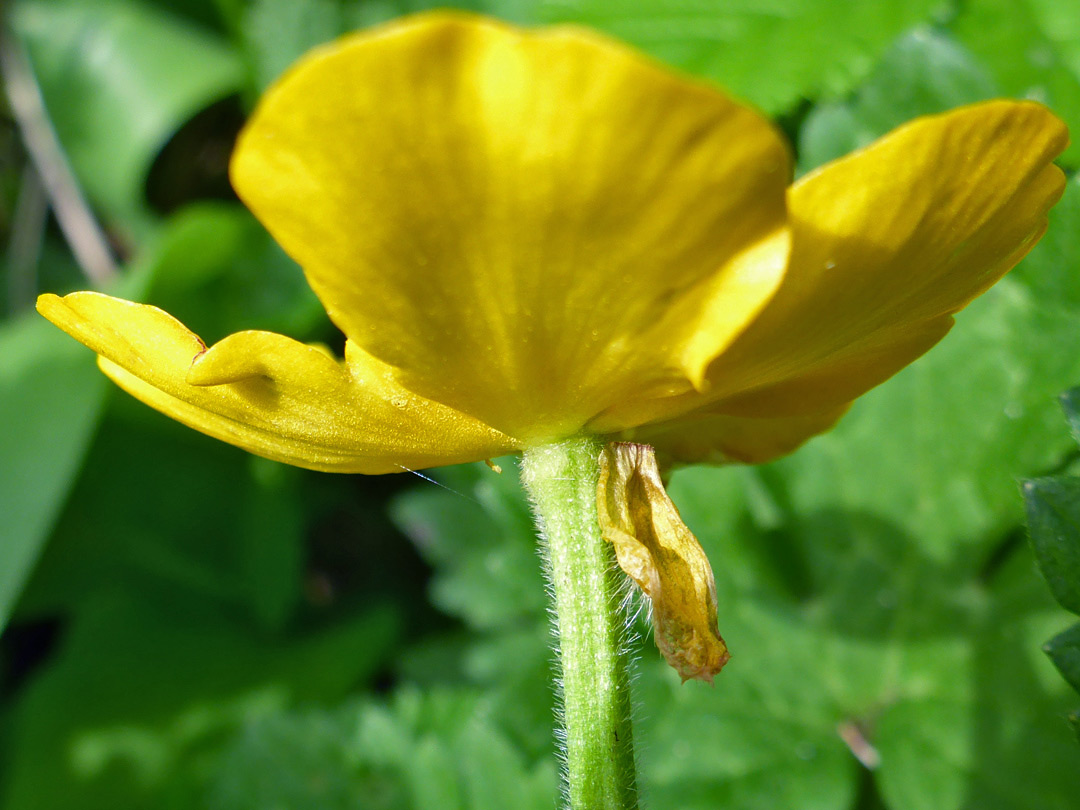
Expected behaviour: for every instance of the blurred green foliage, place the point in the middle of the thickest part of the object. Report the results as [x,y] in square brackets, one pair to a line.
[192,627]
[1053,509]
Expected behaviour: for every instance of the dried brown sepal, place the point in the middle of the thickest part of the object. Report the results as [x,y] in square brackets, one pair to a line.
[656,550]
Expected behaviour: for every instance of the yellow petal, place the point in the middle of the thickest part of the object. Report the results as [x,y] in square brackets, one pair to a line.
[718,438]
[656,550]
[272,395]
[888,244]
[793,406]
[529,225]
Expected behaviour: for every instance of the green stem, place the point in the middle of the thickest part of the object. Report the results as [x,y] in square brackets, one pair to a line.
[589,624]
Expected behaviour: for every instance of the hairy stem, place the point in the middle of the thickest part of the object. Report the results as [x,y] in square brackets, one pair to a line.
[589,625]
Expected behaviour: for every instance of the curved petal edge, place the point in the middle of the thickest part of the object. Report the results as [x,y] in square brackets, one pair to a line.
[272,395]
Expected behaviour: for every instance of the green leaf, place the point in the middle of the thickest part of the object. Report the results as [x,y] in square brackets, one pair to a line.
[1032,48]
[929,745]
[214,259]
[471,756]
[1053,509]
[207,260]
[300,760]
[148,685]
[764,738]
[118,78]
[865,638]
[1064,651]
[438,749]
[478,534]
[897,650]
[944,440]
[903,506]
[489,571]
[277,32]
[773,56]
[997,741]
[51,399]
[191,531]
[924,72]
[1070,403]
[51,395]
[850,591]
[364,13]
[838,621]
[270,543]
[1046,272]
[216,268]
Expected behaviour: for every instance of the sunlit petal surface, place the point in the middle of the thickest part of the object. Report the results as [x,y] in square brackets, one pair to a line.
[530,226]
[888,243]
[526,235]
[272,395]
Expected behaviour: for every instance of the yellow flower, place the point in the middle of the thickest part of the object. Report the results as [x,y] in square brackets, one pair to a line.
[532,235]
[527,235]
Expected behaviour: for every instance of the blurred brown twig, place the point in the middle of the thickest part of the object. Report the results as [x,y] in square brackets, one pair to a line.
[84,235]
